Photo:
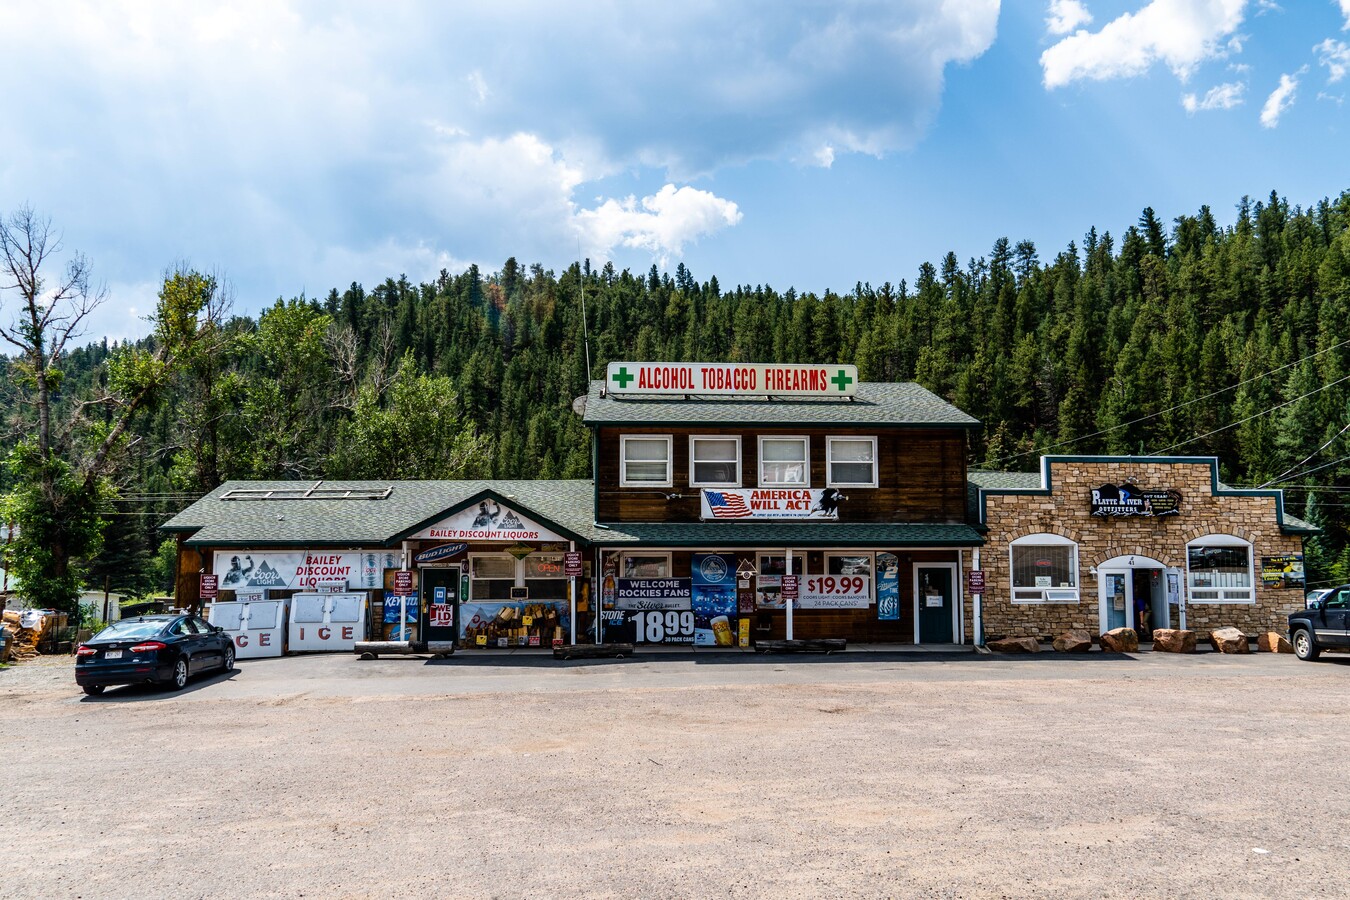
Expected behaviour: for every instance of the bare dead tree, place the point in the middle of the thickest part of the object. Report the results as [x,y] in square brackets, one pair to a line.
[47,316]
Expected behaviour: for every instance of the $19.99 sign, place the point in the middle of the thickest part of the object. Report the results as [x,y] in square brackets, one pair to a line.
[835,592]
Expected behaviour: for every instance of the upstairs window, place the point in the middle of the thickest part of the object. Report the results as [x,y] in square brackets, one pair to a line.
[1219,570]
[715,462]
[851,461]
[1044,569]
[644,461]
[784,462]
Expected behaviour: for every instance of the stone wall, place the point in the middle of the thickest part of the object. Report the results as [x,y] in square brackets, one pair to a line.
[1066,512]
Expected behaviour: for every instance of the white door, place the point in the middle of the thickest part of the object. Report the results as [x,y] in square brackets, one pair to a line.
[1117,599]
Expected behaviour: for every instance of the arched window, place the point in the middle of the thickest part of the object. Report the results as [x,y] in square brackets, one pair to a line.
[1219,570]
[1044,569]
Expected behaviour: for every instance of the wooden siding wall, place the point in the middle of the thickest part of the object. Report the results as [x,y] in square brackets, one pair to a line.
[921,475]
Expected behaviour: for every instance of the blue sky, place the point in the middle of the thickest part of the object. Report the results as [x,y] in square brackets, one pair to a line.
[299,146]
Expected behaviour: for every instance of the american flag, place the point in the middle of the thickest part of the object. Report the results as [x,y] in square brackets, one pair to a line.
[727,506]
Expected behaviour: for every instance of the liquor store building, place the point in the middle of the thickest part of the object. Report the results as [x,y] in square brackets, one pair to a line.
[720,492]
[1096,543]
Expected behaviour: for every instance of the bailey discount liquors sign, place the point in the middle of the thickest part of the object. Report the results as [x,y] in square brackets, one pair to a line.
[730,379]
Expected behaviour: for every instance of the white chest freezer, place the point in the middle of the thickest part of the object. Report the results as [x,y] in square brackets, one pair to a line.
[327,621]
[258,627]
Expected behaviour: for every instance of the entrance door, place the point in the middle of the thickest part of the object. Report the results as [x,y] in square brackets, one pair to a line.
[1117,600]
[440,598]
[935,596]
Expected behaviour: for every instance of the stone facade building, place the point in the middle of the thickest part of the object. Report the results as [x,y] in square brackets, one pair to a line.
[1095,543]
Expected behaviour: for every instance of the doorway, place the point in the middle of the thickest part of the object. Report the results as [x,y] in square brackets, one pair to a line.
[1133,594]
[440,598]
[935,603]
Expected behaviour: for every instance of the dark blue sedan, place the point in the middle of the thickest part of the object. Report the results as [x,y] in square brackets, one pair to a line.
[155,649]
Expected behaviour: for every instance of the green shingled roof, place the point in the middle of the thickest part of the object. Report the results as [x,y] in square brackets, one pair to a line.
[411,505]
[563,506]
[897,404]
[714,535]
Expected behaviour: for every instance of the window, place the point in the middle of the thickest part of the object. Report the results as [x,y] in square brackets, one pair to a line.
[714,461]
[774,564]
[848,564]
[493,575]
[644,461]
[784,461]
[1044,569]
[544,576]
[851,462]
[644,565]
[1219,570]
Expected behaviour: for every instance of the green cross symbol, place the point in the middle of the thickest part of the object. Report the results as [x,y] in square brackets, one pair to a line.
[842,380]
[622,377]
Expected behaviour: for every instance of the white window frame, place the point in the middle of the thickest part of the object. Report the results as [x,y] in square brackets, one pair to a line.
[665,554]
[806,465]
[623,460]
[1248,594]
[829,461]
[693,442]
[1051,596]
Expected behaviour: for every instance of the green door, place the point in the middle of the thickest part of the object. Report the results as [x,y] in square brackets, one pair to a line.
[937,600]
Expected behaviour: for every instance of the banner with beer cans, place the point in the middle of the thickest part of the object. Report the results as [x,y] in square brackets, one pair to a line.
[302,570]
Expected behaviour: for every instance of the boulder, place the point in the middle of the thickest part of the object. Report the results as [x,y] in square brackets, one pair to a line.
[1173,640]
[1229,640]
[1273,642]
[1075,641]
[1120,640]
[1015,645]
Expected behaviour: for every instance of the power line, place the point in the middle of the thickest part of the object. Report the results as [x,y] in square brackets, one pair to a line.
[1323,466]
[1186,403]
[1308,457]
[1263,412]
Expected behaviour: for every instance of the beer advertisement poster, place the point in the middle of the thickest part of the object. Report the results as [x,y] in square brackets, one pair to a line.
[714,599]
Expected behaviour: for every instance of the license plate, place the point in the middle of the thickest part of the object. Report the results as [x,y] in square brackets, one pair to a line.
[112,654]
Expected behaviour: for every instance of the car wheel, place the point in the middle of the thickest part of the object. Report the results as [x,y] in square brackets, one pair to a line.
[1304,647]
[180,674]
[228,665]
[93,690]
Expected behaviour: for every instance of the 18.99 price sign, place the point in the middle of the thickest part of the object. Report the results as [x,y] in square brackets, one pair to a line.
[650,626]
[835,592]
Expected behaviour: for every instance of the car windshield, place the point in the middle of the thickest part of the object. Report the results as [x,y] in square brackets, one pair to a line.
[131,628]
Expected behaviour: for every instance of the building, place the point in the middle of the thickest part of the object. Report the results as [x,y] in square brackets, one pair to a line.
[722,491]
[1147,542]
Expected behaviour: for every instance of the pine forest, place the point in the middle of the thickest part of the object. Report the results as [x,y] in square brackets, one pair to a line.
[1224,335]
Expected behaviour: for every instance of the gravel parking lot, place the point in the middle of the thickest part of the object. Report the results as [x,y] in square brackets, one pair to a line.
[861,775]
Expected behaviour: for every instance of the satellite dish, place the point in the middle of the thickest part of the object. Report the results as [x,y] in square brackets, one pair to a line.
[579,405]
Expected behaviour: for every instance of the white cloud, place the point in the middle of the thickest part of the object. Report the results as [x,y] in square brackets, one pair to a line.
[1345,11]
[1335,55]
[661,224]
[1279,100]
[292,142]
[1179,33]
[1223,96]
[1066,15]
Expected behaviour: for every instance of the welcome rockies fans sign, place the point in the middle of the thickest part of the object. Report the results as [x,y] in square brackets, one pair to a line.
[730,379]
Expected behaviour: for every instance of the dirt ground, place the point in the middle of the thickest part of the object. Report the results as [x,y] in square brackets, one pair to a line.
[861,775]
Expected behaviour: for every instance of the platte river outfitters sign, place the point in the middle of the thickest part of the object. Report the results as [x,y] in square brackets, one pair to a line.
[730,379]
[1111,500]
